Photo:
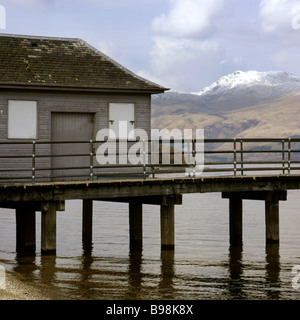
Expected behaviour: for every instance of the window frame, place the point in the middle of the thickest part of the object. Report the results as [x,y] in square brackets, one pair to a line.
[133,125]
[11,129]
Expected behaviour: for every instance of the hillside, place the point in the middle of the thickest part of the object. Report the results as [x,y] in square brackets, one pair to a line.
[243,104]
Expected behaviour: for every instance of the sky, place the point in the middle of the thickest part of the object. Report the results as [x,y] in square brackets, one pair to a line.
[184,45]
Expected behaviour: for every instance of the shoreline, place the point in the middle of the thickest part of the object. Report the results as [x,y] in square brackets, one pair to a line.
[18,289]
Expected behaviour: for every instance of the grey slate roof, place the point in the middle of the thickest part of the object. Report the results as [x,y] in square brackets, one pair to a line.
[64,63]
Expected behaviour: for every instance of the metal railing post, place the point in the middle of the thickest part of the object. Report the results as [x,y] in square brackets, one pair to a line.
[33,162]
[189,151]
[289,156]
[242,157]
[91,161]
[153,149]
[234,156]
[194,156]
[144,159]
[283,157]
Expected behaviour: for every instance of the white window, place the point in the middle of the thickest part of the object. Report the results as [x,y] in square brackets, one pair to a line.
[22,119]
[122,120]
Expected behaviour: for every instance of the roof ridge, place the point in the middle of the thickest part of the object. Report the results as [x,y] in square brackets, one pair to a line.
[12,35]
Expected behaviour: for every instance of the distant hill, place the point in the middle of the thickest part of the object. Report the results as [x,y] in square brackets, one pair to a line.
[243,104]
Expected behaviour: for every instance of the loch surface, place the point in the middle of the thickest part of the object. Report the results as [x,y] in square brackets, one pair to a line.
[203,265]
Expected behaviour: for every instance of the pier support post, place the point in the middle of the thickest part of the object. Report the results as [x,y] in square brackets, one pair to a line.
[236,221]
[136,225]
[167,221]
[272,221]
[25,229]
[87,222]
[271,199]
[167,225]
[48,236]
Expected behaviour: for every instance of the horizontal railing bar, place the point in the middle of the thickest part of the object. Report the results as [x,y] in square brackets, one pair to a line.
[263,162]
[15,157]
[263,169]
[263,151]
[218,163]
[169,165]
[173,140]
[165,171]
[246,151]
[240,156]
[246,162]
[16,170]
[218,170]
[219,152]
[16,178]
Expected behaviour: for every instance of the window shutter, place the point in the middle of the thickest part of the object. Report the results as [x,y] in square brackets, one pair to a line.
[122,119]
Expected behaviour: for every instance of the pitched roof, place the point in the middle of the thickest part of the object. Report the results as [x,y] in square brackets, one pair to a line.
[45,62]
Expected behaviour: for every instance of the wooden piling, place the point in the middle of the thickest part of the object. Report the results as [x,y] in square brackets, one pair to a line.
[235,221]
[167,226]
[271,199]
[48,236]
[25,229]
[135,225]
[272,221]
[87,222]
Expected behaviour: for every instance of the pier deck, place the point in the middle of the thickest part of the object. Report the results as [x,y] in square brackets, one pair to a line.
[50,198]
[263,173]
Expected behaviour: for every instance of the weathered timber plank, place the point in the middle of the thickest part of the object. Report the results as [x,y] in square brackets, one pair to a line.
[150,187]
[257,195]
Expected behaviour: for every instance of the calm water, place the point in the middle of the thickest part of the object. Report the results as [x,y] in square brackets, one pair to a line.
[203,265]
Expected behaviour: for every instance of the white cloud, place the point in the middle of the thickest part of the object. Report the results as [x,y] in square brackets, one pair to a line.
[280,23]
[189,18]
[278,15]
[184,64]
[184,47]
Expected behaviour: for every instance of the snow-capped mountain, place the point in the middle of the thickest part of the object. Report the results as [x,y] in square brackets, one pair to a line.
[241,104]
[274,80]
[234,91]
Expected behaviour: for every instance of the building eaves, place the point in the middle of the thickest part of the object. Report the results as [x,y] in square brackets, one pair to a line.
[64,63]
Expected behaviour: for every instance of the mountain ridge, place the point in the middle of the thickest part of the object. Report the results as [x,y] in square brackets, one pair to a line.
[265,105]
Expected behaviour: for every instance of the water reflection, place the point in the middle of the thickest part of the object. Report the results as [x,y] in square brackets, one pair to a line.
[137,279]
[86,272]
[26,264]
[236,284]
[48,269]
[166,285]
[135,276]
[273,271]
[91,277]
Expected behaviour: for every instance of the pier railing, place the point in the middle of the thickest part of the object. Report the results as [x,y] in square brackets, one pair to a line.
[40,161]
